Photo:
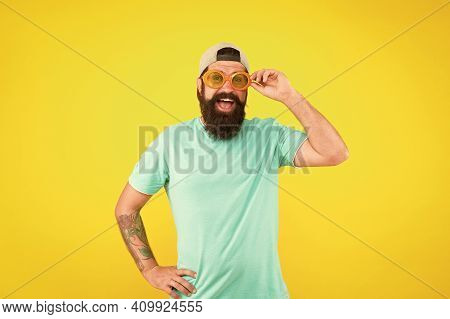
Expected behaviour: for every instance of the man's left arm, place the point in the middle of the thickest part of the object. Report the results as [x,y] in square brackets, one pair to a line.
[324,146]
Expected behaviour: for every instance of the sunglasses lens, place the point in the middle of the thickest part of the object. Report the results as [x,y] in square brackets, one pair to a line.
[214,79]
[240,81]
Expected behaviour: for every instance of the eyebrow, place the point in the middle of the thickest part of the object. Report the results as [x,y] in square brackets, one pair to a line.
[216,69]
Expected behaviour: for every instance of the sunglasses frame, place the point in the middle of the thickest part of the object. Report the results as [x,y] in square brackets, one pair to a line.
[229,78]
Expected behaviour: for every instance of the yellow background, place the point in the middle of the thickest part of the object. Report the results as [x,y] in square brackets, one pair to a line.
[71,111]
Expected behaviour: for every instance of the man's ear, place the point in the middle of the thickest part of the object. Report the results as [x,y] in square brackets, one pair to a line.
[199,85]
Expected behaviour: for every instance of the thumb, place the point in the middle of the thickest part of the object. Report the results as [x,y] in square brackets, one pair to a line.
[257,87]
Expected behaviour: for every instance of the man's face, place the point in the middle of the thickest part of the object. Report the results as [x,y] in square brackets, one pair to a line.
[223,119]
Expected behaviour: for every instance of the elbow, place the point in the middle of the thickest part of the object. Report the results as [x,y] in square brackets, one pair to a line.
[339,157]
[124,209]
[120,209]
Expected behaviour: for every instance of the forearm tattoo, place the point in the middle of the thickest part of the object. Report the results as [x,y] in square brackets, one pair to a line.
[133,233]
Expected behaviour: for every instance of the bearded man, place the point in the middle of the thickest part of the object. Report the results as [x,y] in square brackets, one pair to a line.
[220,172]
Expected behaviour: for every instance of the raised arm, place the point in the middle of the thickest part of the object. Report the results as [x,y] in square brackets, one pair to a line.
[324,146]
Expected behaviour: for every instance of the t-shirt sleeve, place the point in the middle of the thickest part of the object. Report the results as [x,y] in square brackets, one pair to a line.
[289,141]
[150,173]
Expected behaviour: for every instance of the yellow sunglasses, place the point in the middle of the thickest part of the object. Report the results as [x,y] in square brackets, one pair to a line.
[216,79]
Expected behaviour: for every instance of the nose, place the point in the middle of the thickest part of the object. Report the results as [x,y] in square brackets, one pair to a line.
[226,87]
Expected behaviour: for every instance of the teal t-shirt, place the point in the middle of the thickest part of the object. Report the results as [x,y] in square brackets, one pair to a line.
[224,199]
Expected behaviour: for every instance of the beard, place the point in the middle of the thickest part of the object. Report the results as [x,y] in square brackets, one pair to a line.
[222,125]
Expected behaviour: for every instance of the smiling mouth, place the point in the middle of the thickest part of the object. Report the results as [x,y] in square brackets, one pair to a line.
[225,105]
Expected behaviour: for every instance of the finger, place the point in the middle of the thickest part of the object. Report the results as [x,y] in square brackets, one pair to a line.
[272,74]
[255,74]
[256,87]
[267,74]
[259,75]
[171,292]
[179,287]
[174,294]
[186,284]
[182,271]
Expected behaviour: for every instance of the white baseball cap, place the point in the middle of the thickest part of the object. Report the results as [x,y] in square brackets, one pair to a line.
[212,55]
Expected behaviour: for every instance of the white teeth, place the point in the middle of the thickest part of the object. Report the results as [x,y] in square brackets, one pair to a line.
[227,100]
